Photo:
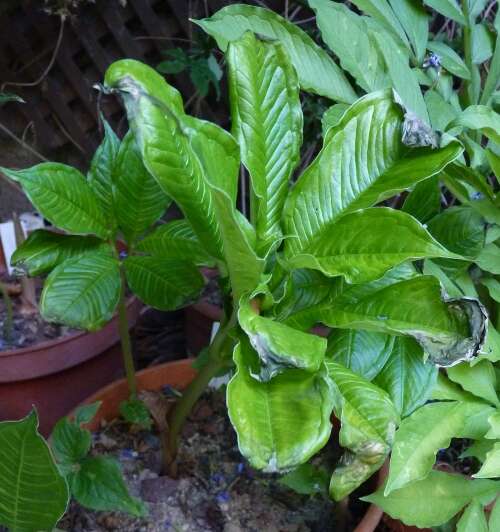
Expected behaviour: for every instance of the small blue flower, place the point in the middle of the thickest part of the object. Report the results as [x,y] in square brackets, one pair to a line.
[223,497]
[217,478]
[433,61]
[477,196]
[240,468]
[123,255]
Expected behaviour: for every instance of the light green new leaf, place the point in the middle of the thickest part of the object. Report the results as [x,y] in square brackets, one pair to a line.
[476,420]
[346,34]
[363,245]
[494,421]
[279,346]
[267,123]
[280,423]
[491,466]
[479,379]
[448,8]
[478,118]
[446,390]
[422,503]
[493,287]
[368,421]
[450,59]
[363,352]
[155,119]
[448,331]
[98,484]
[82,291]
[70,443]
[424,201]
[43,250]
[86,413]
[63,196]
[163,283]
[489,259]
[473,519]
[139,200]
[102,171]
[175,240]
[316,70]
[406,377]
[33,495]
[419,438]
[135,412]
[347,175]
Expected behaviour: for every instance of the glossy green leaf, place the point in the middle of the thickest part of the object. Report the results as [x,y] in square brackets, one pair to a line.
[424,201]
[316,70]
[422,503]
[406,377]
[476,420]
[450,59]
[102,171]
[493,287]
[280,423]
[163,283]
[306,480]
[363,245]
[98,484]
[419,438]
[479,379]
[62,195]
[175,240]
[139,200]
[448,331]
[346,34]
[448,8]
[331,117]
[165,147]
[491,466]
[328,189]
[478,118]
[82,291]
[446,390]
[33,495]
[267,123]
[473,519]
[368,421]
[441,113]
[43,250]
[279,346]
[489,259]
[363,352]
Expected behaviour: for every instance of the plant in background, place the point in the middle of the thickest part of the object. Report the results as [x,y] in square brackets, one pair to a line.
[38,480]
[88,277]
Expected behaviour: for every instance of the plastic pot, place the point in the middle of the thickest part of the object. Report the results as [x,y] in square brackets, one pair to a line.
[54,376]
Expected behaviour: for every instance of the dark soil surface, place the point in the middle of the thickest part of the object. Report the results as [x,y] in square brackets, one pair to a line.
[215,491]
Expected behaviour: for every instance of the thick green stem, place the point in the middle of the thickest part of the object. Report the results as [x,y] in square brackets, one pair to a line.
[123,327]
[9,313]
[473,85]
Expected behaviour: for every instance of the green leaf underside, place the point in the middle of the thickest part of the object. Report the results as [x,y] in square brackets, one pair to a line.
[316,70]
[33,495]
[82,292]
[43,250]
[165,284]
[267,122]
[280,423]
[62,195]
[368,421]
[422,503]
[363,245]
[362,162]
[419,438]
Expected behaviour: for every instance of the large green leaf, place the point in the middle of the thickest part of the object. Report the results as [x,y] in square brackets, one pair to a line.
[424,504]
[267,122]
[481,118]
[139,200]
[479,379]
[43,250]
[406,377]
[280,423]
[63,196]
[362,162]
[368,421]
[473,519]
[163,283]
[155,119]
[489,259]
[448,8]
[415,22]
[419,438]
[363,352]
[491,466]
[448,331]
[82,291]
[279,346]
[102,171]
[363,245]
[316,70]
[176,240]
[424,201]
[33,495]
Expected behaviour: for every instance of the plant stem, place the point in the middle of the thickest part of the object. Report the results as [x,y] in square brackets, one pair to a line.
[123,327]
[9,313]
[472,85]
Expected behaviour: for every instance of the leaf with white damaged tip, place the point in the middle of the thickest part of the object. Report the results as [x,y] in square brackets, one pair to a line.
[279,346]
[281,423]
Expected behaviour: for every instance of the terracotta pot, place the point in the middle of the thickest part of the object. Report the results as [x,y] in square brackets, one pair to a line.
[177,374]
[56,375]
[199,321]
